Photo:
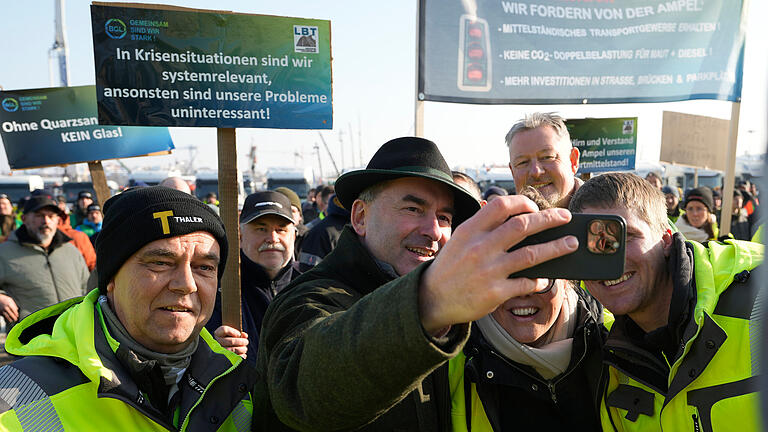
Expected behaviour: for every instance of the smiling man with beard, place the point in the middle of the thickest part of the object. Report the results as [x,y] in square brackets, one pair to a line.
[267,237]
[541,156]
[38,265]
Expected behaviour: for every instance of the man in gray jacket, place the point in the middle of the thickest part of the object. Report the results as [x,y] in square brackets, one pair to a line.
[38,265]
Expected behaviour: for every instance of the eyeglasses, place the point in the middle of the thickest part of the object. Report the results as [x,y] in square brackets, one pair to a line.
[548,288]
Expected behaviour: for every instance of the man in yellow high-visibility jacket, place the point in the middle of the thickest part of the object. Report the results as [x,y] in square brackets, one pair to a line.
[133,355]
[682,350]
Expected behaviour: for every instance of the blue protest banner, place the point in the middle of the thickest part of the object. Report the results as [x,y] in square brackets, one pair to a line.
[58,126]
[591,51]
[167,66]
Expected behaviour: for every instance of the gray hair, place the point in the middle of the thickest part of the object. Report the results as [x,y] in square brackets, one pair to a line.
[537,120]
[369,194]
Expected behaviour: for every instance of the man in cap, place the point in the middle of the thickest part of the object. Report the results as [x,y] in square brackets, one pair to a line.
[672,199]
[133,354]
[683,348]
[267,235]
[362,339]
[541,155]
[80,212]
[38,265]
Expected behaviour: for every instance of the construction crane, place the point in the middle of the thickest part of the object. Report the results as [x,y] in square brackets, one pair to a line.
[60,48]
[333,161]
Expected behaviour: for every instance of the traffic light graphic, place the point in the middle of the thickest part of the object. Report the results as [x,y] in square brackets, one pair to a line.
[474,54]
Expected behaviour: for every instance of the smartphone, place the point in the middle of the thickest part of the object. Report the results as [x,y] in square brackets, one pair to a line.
[600,256]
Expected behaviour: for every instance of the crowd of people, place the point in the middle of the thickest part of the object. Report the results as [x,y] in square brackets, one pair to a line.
[385,303]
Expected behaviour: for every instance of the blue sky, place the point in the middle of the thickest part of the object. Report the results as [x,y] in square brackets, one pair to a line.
[373,88]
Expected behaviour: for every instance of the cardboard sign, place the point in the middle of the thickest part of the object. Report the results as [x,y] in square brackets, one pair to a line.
[698,141]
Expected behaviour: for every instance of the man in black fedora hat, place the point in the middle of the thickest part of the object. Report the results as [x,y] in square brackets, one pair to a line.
[361,341]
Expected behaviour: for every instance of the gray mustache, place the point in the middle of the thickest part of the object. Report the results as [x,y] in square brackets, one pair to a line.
[274,246]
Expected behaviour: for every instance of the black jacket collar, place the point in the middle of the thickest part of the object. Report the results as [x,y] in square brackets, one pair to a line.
[253,275]
[365,275]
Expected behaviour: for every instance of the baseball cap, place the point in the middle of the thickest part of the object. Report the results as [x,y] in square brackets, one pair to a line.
[264,203]
[39,202]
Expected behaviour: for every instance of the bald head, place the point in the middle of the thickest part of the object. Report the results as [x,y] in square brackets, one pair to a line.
[177,183]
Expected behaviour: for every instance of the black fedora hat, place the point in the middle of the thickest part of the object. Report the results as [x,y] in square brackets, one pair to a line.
[406,157]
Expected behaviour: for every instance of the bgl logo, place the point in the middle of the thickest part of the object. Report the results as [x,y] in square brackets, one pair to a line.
[115,28]
[305,39]
[10,104]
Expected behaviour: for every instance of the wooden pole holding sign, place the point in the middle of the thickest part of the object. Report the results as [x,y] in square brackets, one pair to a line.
[99,181]
[730,171]
[228,191]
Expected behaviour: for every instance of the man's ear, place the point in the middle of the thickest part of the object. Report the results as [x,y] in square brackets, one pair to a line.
[574,160]
[358,216]
[666,242]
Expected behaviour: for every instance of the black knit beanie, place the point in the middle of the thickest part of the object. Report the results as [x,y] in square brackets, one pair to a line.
[701,194]
[142,215]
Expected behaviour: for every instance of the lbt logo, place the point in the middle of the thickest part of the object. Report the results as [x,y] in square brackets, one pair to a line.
[10,104]
[115,28]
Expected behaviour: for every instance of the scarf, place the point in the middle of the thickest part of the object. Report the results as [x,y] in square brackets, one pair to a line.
[146,366]
[553,356]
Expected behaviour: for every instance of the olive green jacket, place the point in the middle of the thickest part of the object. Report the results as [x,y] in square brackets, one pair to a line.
[342,347]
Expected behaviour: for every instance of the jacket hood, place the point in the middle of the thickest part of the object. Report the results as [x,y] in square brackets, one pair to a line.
[66,331]
[58,331]
[716,266]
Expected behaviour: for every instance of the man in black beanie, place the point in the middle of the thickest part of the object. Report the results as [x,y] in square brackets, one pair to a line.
[133,354]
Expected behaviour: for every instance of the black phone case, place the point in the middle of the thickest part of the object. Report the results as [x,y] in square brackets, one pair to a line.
[582,264]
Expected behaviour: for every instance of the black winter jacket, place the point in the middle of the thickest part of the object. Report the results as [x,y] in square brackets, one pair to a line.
[256,291]
[515,397]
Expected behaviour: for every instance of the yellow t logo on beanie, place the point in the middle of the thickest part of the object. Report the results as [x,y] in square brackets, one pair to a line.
[163,216]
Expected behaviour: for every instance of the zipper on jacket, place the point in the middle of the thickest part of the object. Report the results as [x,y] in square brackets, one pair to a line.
[53,279]
[695,423]
[272,288]
[552,392]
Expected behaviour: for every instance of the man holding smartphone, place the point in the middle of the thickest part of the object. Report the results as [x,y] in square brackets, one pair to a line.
[682,350]
[362,340]
[541,156]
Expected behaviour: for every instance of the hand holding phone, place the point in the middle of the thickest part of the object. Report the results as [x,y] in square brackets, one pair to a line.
[600,256]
